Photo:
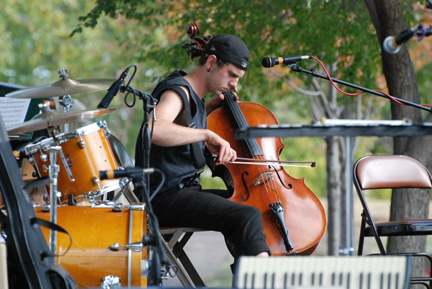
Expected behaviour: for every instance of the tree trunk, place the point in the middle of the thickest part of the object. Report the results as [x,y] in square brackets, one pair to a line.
[401,82]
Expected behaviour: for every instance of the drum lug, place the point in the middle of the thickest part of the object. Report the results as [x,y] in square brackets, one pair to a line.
[95,181]
[136,247]
[81,143]
[44,157]
[111,282]
[107,132]
[118,208]
[123,181]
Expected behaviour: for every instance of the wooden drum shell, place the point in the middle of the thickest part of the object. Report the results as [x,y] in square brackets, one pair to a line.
[93,231]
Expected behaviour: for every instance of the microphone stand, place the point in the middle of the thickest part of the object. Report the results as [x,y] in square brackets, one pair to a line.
[348,140]
[296,68]
[143,184]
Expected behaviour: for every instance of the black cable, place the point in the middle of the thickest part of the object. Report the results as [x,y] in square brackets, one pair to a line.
[162,181]
[128,91]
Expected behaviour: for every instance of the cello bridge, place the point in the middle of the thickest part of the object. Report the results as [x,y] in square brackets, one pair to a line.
[263,178]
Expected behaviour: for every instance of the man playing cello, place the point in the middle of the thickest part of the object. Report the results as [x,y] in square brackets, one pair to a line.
[178,143]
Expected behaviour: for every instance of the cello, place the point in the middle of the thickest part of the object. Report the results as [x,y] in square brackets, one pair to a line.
[294,218]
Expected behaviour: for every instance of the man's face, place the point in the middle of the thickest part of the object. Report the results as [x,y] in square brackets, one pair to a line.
[224,78]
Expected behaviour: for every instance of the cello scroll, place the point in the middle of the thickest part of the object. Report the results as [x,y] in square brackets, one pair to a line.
[196,44]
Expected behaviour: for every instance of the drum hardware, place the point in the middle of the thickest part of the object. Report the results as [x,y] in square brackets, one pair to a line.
[46,208]
[65,100]
[103,204]
[96,182]
[111,282]
[71,201]
[118,207]
[136,247]
[81,143]
[93,195]
[53,174]
[45,111]
[170,271]
[41,148]
[137,207]
[126,191]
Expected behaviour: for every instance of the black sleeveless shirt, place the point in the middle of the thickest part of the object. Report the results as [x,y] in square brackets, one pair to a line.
[175,162]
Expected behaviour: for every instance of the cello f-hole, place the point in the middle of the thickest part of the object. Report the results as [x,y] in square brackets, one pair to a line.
[245,186]
[289,186]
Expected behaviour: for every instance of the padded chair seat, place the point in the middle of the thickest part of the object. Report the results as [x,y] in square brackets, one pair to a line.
[401,228]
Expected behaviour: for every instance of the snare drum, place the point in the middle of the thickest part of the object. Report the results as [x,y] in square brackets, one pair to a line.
[86,152]
[93,232]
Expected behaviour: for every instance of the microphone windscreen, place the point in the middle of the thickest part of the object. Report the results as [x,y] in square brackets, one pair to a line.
[267,62]
[389,47]
[103,175]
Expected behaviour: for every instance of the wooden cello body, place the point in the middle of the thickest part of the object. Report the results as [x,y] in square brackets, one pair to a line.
[294,218]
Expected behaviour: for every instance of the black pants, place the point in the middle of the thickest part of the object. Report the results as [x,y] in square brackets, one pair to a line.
[241,225]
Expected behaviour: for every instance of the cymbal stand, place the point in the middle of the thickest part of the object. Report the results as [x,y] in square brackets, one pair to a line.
[53,175]
[65,100]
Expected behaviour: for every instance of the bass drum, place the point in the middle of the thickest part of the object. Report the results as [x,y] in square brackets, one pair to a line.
[93,231]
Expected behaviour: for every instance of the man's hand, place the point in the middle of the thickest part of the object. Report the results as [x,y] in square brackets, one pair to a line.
[220,147]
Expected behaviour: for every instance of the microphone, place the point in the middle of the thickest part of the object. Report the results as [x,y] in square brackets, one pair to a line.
[127,172]
[392,44]
[272,61]
[113,90]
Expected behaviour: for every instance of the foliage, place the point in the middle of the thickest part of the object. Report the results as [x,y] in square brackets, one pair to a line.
[36,44]
[331,30]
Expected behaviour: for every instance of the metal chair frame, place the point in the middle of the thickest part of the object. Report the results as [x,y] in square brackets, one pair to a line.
[391,171]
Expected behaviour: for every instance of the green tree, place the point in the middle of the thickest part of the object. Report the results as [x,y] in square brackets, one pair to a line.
[387,17]
[36,44]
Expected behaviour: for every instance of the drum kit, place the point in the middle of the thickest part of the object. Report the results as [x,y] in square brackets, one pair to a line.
[107,236]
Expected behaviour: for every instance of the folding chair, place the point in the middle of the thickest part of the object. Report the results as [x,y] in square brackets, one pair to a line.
[174,239]
[391,171]
[360,272]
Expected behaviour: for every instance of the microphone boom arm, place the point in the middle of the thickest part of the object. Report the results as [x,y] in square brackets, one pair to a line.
[297,68]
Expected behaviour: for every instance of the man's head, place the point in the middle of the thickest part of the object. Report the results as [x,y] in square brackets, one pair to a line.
[228,48]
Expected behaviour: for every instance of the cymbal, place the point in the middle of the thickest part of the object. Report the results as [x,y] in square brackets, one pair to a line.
[62,87]
[46,114]
[54,120]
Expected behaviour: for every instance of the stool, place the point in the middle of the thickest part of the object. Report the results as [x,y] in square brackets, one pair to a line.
[174,240]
